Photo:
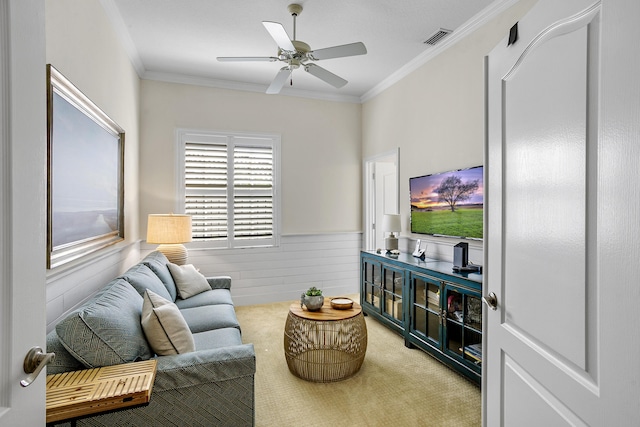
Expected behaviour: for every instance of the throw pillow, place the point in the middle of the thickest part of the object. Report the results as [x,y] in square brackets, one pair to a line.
[188,280]
[106,329]
[165,328]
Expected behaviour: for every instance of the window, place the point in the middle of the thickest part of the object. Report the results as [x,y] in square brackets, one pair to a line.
[229,186]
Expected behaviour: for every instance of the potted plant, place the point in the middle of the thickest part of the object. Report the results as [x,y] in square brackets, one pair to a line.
[312,299]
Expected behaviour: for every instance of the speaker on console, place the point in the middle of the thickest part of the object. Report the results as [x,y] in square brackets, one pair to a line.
[461,254]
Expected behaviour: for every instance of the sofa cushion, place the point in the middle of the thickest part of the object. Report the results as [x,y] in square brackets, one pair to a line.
[210,317]
[142,278]
[106,330]
[217,338]
[210,297]
[188,280]
[157,262]
[164,326]
[63,361]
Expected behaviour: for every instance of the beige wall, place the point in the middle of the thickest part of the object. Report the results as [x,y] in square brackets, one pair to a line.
[436,114]
[82,44]
[320,151]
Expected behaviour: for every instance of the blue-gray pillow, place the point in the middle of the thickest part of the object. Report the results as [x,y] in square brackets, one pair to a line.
[142,278]
[106,330]
[157,262]
[63,361]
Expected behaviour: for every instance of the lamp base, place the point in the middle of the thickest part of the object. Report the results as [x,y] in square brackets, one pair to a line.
[175,253]
[391,243]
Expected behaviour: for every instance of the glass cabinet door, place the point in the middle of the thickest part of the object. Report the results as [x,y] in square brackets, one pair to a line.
[393,280]
[463,325]
[425,309]
[372,284]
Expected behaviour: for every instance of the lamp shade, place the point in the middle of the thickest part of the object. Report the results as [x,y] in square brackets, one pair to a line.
[168,228]
[391,223]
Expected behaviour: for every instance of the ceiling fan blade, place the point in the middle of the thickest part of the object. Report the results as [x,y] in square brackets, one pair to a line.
[247,58]
[279,34]
[325,75]
[279,81]
[351,49]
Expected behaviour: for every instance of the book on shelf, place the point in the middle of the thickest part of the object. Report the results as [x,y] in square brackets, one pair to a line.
[474,351]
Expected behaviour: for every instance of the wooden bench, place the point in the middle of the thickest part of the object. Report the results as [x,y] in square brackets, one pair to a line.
[77,394]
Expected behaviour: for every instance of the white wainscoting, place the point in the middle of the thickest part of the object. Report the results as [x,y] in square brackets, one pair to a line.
[262,275]
[330,262]
[71,286]
[442,247]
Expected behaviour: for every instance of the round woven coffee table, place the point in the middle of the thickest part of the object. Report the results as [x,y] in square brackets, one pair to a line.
[326,345]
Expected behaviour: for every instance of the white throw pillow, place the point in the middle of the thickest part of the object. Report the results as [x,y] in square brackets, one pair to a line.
[165,328]
[189,281]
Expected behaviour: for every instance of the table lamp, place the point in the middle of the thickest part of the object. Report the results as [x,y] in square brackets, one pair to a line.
[170,231]
[391,223]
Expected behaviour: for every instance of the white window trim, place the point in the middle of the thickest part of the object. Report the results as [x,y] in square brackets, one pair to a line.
[184,134]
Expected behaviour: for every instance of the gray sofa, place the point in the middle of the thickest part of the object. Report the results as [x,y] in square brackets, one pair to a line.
[214,385]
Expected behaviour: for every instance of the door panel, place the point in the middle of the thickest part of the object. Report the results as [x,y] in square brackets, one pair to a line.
[542,346]
[530,401]
[23,203]
[544,191]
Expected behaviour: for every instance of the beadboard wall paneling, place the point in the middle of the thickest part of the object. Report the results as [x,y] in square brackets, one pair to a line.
[442,247]
[69,288]
[262,275]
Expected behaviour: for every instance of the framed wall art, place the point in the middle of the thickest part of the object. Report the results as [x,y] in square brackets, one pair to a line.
[85,171]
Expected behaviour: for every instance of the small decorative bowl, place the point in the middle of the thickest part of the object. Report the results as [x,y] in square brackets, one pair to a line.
[341,303]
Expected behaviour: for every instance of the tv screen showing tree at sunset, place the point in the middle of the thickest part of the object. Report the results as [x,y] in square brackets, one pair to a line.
[448,204]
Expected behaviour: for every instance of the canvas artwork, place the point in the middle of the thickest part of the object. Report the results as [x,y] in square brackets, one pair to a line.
[85,197]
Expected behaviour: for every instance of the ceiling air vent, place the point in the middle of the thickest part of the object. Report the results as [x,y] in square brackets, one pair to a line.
[437,36]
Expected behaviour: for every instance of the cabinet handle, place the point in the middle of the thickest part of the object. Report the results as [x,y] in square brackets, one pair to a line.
[491,300]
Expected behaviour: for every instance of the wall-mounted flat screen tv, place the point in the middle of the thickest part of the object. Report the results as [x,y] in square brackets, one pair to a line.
[448,204]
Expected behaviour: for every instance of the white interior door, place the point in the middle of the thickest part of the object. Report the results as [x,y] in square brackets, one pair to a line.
[23,202]
[554,355]
[386,184]
[380,195]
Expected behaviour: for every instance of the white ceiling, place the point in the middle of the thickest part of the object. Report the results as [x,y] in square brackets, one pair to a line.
[179,40]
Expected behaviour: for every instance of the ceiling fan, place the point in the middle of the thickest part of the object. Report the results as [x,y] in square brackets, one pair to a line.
[296,54]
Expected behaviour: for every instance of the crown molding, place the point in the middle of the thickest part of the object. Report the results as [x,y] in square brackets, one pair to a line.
[490,12]
[113,13]
[247,87]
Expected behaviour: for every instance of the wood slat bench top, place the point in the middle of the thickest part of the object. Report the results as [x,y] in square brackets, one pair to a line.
[91,391]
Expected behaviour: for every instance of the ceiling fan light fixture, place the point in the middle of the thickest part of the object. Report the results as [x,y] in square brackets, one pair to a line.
[297,54]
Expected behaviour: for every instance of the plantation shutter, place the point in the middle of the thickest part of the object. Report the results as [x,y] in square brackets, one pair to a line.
[229,189]
[206,183]
[252,192]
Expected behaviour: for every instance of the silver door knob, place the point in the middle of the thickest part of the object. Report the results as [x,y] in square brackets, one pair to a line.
[34,361]
[491,300]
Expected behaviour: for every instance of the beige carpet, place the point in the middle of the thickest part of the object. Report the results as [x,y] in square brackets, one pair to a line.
[396,386]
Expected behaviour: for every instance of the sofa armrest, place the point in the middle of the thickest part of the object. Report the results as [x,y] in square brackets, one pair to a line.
[219,282]
[204,366]
[204,388]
